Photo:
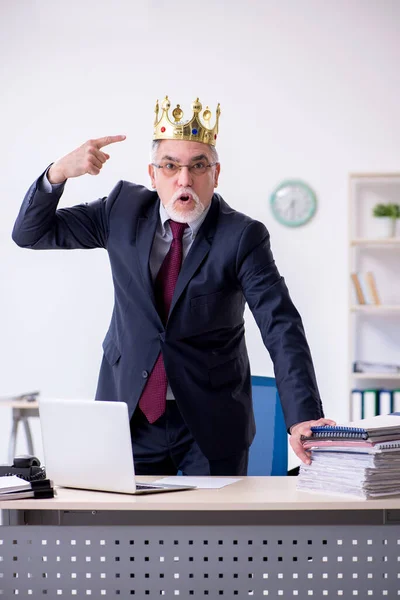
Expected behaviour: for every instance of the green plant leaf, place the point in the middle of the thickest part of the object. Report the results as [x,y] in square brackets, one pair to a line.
[387,210]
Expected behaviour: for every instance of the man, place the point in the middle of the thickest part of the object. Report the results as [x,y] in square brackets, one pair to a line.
[184,263]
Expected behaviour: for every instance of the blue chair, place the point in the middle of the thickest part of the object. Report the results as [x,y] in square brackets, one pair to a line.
[269,451]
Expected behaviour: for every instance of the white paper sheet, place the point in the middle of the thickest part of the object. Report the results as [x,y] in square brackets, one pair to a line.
[10,483]
[200,482]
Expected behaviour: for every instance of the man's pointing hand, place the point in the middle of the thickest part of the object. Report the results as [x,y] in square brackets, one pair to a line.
[88,158]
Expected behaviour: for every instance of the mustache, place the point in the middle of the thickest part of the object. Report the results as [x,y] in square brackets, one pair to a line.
[184,192]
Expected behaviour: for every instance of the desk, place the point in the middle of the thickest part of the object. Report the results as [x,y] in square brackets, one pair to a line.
[22,410]
[256,538]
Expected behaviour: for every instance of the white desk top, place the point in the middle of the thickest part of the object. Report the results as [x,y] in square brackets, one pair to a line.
[249,494]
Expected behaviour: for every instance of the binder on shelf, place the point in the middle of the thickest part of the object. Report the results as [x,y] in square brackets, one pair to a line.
[357,288]
[372,289]
[356,404]
[366,290]
[396,400]
[370,404]
[385,402]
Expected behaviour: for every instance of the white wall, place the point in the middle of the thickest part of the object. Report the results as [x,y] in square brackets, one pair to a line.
[307,89]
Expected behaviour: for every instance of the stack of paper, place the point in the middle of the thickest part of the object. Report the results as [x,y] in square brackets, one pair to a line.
[15,488]
[360,459]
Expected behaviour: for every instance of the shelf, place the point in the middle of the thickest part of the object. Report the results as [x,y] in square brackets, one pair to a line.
[374,176]
[393,241]
[373,329]
[376,376]
[375,308]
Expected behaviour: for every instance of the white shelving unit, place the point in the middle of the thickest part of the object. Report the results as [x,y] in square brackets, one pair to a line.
[375,308]
[375,376]
[374,329]
[375,242]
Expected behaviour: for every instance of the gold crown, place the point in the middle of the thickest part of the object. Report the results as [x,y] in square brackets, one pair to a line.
[194,130]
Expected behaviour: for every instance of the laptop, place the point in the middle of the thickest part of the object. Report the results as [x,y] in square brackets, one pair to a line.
[87,445]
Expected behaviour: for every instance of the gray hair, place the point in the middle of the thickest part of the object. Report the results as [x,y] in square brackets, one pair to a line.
[155,144]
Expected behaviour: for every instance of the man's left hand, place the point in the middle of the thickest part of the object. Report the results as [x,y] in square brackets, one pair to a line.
[301,429]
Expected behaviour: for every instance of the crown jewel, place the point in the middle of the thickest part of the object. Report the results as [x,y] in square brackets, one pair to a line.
[197,129]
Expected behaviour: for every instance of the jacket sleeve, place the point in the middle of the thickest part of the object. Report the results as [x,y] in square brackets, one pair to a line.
[280,325]
[41,226]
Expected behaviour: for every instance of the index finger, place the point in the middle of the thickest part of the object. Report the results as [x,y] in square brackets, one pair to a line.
[109,139]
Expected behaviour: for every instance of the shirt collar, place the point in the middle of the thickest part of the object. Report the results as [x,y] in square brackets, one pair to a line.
[194,226]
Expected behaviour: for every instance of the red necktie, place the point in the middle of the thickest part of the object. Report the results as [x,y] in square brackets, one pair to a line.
[153,399]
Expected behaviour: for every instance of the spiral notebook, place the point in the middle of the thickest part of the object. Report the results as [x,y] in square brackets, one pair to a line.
[356,446]
[375,429]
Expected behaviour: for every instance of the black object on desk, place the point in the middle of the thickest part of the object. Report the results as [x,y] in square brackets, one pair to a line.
[26,466]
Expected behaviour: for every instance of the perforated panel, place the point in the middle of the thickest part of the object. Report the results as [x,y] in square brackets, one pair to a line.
[213,562]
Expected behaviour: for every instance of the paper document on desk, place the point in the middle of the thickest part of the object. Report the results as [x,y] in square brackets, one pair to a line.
[12,483]
[209,483]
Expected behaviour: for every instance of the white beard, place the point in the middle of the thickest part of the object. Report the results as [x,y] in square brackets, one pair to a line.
[184,216]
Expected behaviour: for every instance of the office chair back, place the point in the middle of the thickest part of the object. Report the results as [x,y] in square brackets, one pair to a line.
[269,450]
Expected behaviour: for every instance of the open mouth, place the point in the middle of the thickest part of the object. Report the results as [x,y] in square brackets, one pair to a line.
[184,198]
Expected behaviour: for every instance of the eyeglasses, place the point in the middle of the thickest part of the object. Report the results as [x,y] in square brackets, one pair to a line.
[170,168]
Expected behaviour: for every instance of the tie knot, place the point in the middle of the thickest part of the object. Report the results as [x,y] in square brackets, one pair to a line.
[177,229]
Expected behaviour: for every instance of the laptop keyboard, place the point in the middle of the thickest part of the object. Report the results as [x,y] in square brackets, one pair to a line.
[145,486]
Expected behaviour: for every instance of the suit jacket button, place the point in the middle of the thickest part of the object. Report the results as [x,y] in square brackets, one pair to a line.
[162,336]
[145,374]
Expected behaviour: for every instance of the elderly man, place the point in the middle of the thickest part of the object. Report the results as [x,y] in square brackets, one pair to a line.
[184,264]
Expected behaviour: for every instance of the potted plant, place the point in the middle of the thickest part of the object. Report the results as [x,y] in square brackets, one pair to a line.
[387,215]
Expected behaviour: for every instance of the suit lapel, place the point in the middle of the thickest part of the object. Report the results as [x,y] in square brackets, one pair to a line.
[198,252]
[145,232]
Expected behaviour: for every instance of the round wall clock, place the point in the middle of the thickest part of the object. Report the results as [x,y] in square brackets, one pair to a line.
[293,203]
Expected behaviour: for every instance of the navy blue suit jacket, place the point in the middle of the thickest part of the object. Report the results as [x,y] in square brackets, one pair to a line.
[203,344]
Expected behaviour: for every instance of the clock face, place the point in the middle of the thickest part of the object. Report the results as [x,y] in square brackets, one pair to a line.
[293,203]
